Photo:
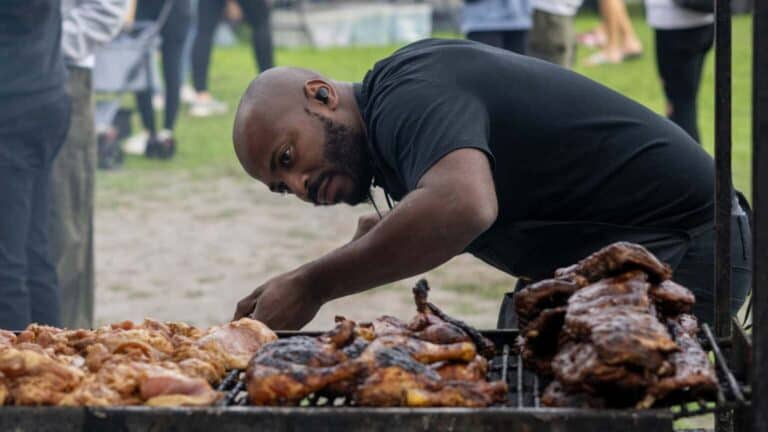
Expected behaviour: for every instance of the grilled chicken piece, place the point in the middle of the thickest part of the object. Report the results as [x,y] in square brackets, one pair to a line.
[556,396]
[475,370]
[671,298]
[394,378]
[615,259]
[288,370]
[132,383]
[578,367]
[546,294]
[32,376]
[694,374]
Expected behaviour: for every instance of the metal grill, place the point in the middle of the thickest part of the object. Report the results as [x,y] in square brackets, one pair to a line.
[525,387]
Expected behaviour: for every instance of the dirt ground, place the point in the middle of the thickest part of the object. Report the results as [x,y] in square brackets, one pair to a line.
[191,249]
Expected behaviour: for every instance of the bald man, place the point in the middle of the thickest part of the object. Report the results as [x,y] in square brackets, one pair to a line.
[524,164]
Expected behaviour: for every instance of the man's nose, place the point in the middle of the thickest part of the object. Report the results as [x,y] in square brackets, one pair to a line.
[299,185]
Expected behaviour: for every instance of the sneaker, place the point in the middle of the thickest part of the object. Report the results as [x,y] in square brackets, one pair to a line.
[207,108]
[136,144]
[188,94]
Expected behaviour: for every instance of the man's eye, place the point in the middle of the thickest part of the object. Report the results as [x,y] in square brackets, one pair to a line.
[286,157]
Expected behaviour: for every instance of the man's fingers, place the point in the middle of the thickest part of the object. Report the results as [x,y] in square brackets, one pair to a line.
[246,306]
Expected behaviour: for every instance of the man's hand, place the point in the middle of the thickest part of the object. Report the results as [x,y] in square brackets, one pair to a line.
[283,303]
[365,224]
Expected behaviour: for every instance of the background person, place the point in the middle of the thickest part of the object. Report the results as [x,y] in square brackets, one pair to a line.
[500,23]
[86,25]
[34,117]
[552,37]
[209,14]
[683,39]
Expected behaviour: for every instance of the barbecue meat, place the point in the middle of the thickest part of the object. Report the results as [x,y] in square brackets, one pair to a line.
[288,370]
[34,377]
[556,396]
[475,370]
[671,298]
[539,341]
[537,297]
[615,259]
[132,383]
[694,374]
[394,378]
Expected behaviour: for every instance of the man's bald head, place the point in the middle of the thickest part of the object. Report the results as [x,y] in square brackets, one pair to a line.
[273,94]
[301,133]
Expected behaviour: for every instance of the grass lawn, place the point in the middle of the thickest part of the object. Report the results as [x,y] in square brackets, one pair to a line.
[205,144]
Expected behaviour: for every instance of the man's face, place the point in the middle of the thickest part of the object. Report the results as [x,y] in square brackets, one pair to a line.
[316,158]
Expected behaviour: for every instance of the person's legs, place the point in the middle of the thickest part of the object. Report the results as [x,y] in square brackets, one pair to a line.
[208,16]
[680,58]
[515,40]
[492,38]
[257,14]
[18,168]
[173,34]
[551,38]
[71,219]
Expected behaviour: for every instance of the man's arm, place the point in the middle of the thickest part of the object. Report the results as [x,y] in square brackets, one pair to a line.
[454,202]
[89,24]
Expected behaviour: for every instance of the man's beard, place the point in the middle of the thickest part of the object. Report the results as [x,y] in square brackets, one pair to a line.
[345,152]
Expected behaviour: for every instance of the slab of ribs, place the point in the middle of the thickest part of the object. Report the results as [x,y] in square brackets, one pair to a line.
[613,331]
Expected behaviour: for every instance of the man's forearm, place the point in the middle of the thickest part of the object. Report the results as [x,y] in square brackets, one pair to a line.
[425,230]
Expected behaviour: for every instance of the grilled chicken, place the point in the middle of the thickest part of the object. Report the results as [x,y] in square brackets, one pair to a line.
[537,297]
[394,378]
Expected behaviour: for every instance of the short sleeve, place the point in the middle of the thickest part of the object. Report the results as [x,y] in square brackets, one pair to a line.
[417,124]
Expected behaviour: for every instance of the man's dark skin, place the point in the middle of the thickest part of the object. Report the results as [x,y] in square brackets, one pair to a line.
[284,126]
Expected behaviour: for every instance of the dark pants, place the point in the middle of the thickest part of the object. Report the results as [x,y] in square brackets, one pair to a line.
[28,145]
[173,34]
[208,16]
[680,56]
[71,220]
[695,271]
[511,40]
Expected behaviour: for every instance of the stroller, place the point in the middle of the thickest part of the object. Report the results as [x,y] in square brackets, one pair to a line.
[124,65]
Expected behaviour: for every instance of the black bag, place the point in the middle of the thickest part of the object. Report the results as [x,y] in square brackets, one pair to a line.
[704,6]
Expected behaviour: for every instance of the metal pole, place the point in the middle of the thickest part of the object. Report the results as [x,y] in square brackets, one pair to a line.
[723,184]
[760,206]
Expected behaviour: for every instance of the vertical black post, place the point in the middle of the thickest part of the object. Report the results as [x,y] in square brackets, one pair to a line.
[760,206]
[723,184]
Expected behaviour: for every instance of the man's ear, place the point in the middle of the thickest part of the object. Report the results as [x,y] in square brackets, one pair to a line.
[319,91]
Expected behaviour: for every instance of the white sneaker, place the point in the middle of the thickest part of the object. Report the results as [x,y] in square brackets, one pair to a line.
[188,94]
[136,144]
[207,108]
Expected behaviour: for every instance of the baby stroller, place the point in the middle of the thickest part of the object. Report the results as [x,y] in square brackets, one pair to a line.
[125,65]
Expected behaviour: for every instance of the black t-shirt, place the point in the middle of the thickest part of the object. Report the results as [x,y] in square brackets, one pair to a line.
[575,164]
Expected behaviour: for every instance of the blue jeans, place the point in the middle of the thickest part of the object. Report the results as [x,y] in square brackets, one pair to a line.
[28,145]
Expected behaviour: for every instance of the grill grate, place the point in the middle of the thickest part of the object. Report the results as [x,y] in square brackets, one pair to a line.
[524,386]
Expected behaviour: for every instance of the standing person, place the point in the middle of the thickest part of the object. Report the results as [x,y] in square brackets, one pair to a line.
[683,38]
[500,23]
[552,37]
[209,14]
[621,42]
[162,144]
[86,25]
[34,117]
[503,161]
